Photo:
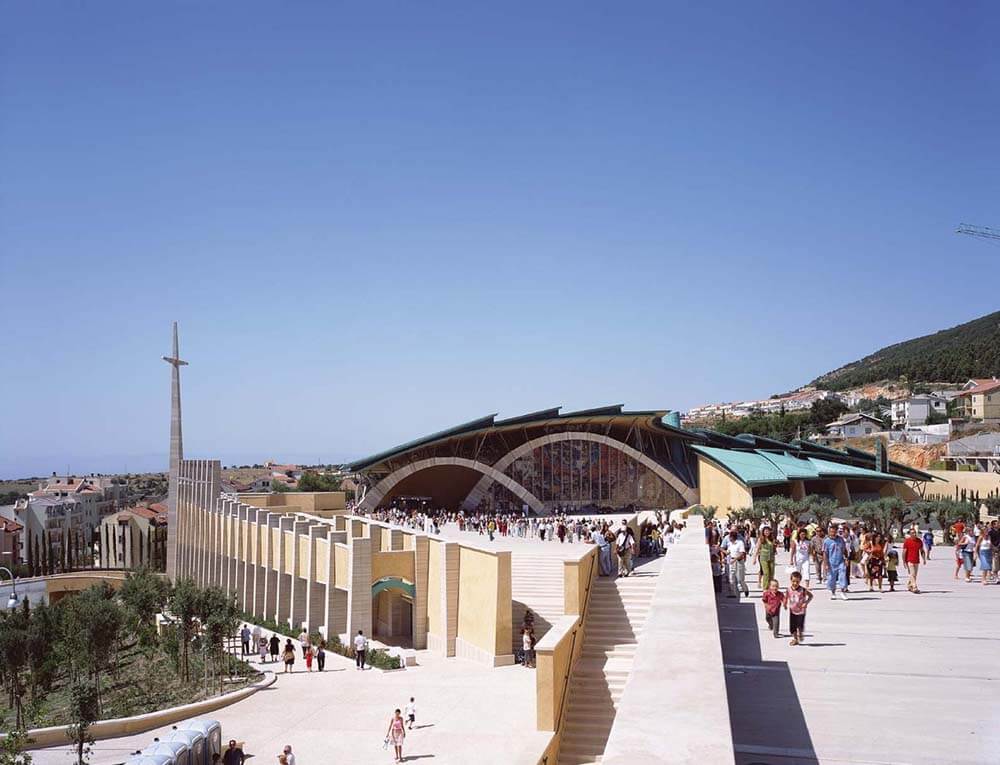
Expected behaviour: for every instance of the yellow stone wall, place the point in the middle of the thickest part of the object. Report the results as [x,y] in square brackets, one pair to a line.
[718,488]
[484,605]
[396,563]
[435,622]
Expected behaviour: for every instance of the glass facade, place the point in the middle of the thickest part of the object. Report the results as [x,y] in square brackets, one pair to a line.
[584,475]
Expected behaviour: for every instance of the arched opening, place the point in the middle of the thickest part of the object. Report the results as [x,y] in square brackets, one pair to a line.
[392,611]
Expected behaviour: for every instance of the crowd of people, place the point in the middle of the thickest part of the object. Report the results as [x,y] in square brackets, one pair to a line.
[833,557]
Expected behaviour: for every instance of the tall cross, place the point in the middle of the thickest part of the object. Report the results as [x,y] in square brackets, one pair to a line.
[175,360]
[176,454]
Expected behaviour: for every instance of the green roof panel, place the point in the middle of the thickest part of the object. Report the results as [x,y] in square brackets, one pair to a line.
[751,468]
[793,468]
[840,470]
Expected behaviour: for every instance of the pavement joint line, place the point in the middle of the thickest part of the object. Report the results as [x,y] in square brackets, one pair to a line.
[808,754]
[826,671]
[873,634]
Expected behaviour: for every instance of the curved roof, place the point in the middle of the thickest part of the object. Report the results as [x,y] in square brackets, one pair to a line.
[657,418]
[758,468]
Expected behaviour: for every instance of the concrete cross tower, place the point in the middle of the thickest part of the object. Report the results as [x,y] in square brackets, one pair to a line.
[176,455]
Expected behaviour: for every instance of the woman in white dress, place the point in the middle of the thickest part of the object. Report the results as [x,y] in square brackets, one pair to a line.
[799,559]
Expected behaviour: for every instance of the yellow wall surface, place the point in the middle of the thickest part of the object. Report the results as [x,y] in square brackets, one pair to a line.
[484,605]
[303,569]
[435,624]
[321,561]
[275,548]
[340,566]
[718,488]
[397,563]
[984,483]
[577,576]
[551,668]
[306,501]
[289,552]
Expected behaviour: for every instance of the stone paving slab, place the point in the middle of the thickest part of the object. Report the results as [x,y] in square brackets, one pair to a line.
[467,713]
[883,679]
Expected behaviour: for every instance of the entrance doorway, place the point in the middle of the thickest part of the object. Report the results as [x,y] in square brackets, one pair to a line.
[392,618]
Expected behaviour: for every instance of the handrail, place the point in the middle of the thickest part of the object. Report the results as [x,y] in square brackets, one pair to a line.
[572,648]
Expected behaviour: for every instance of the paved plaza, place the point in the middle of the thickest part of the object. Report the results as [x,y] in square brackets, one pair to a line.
[883,678]
[466,713]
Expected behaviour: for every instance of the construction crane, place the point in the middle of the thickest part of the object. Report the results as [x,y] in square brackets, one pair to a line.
[983,232]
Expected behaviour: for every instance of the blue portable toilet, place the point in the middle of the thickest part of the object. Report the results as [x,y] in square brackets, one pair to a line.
[212,731]
[195,741]
[177,751]
[150,759]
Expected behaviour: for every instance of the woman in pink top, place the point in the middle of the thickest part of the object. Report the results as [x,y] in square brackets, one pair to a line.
[396,733]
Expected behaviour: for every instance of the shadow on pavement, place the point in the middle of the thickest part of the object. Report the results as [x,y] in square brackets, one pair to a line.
[765,715]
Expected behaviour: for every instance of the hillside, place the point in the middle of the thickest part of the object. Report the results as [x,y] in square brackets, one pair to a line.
[957,354]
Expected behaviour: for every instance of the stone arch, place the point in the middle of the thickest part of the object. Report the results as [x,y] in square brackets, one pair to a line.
[689,495]
[394,583]
[383,487]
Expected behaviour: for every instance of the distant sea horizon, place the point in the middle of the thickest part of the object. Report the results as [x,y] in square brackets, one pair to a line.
[14,468]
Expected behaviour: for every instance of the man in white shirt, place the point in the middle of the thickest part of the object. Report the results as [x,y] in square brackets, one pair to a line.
[360,646]
[410,713]
[736,552]
[288,754]
[625,546]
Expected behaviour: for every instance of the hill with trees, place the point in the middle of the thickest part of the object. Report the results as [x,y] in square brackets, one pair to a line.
[955,355]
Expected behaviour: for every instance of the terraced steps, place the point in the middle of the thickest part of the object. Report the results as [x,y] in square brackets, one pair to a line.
[612,629]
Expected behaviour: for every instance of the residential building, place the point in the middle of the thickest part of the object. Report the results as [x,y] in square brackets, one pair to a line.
[10,542]
[854,425]
[135,537]
[980,401]
[916,410]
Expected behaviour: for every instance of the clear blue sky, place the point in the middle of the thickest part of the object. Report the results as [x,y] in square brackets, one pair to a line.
[380,219]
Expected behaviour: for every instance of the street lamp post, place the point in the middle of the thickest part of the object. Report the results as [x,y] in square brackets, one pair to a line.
[12,600]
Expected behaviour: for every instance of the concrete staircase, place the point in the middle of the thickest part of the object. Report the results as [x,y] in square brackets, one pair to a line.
[536,582]
[615,618]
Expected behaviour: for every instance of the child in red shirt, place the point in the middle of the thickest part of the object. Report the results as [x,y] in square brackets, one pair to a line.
[773,599]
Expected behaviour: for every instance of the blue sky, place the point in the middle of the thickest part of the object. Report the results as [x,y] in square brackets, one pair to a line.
[380,219]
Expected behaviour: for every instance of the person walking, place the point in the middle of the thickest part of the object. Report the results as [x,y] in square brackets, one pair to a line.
[245,640]
[967,545]
[797,599]
[321,655]
[764,557]
[913,554]
[396,734]
[928,542]
[876,562]
[289,757]
[307,654]
[800,555]
[360,648]
[736,552]
[773,599]
[411,712]
[275,646]
[262,648]
[288,655]
[835,561]
[984,554]
[816,550]
[233,754]
[625,546]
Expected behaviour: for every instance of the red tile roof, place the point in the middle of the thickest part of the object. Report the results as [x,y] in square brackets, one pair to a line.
[11,527]
[984,386]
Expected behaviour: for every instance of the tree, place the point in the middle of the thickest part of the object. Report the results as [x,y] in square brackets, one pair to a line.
[14,655]
[184,607]
[825,411]
[706,511]
[220,618]
[85,708]
[143,595]
[278,487]
[13,746]
[820,508]
[312,481]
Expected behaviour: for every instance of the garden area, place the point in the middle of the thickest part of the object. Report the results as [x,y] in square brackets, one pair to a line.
[100,654]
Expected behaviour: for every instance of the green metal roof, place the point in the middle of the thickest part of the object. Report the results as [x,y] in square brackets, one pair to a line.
[758,467]
[841,470]
[751,468]
[794,468]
